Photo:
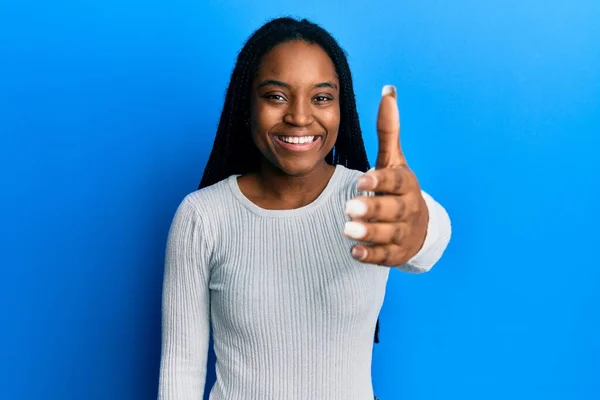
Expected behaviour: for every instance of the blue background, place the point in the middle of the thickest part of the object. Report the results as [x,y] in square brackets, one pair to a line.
[108,110]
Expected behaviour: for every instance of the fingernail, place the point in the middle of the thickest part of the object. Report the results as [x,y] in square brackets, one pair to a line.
[355,208]
[367,182]
[359,253]
[355,230]
[389,89]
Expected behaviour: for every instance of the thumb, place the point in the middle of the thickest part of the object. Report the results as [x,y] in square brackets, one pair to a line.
[388,130]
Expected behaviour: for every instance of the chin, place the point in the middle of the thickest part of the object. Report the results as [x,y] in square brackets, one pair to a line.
[298,168]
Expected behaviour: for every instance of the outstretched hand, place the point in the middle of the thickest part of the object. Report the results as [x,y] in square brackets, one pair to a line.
[391,226]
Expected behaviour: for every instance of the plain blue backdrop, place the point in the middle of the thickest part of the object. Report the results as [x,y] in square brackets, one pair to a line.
[108,110]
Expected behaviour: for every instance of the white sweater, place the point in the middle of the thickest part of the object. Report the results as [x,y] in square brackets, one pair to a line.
[292,313]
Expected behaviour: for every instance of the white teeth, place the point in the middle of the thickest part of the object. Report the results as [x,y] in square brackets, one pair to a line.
[300,140]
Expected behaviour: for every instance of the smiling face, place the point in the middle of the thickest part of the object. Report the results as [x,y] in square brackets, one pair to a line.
[295,107]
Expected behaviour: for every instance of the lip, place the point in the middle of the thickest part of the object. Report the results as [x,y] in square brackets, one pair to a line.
[299,147]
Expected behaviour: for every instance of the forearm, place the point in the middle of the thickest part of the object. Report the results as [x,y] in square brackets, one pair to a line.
[183,361]
[439,231]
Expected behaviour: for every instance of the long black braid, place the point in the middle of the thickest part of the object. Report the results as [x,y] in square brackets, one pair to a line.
[234,151]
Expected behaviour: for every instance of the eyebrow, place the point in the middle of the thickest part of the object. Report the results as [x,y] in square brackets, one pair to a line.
[273,82]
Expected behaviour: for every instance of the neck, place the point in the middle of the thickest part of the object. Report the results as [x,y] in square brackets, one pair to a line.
[274,189]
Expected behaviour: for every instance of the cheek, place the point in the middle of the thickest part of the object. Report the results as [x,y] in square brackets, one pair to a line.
[264,118]
[331,121]
[260,124]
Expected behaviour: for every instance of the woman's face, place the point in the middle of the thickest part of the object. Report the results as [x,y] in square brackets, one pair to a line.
[295,113]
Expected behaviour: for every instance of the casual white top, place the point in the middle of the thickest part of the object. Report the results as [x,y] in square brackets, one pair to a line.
[292,313]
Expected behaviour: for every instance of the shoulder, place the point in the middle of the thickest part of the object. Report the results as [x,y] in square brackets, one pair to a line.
[210,196]
[201,213]
[347,179]
[208,203]
[348,173]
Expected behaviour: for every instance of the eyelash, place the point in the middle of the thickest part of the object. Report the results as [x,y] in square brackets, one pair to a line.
[279,97]
[326,98]
[274,97]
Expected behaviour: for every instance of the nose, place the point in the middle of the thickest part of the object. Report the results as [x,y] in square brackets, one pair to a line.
[299,113]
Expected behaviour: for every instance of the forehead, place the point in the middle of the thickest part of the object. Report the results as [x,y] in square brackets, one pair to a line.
[297,63]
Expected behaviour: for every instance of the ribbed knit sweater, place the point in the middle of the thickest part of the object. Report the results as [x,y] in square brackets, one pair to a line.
[292,313]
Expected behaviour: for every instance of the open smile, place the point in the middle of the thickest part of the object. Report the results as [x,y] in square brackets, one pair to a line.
[298,143]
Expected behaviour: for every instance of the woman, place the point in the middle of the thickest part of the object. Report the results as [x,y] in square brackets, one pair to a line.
[283,251]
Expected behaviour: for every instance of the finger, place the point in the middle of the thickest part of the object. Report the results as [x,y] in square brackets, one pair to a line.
[376,232]
[388,254]
[383,208]
[388,130]
[396,180]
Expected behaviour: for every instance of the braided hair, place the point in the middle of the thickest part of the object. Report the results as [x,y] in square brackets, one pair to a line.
[234,151]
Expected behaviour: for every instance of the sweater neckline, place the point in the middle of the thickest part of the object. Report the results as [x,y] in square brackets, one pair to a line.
[263,212]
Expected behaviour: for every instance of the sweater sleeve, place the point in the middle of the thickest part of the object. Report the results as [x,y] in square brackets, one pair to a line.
[439,230]
[185,307]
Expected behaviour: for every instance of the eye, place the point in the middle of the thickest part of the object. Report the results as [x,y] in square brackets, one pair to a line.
[274,97]
[322,99]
